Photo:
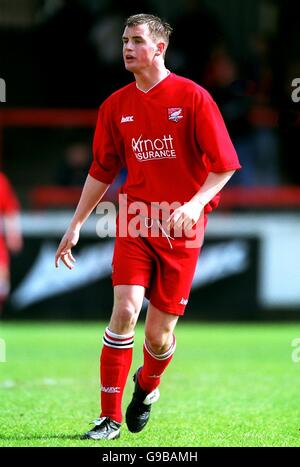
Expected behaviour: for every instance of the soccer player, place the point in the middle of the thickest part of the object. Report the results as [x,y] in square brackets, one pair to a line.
[10,234]
[169,133]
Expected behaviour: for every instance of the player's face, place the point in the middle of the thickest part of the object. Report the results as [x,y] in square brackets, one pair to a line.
[139,48]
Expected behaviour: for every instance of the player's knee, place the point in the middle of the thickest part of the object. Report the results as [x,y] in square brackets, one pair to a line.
[4,288]
[158,343]
[124,315]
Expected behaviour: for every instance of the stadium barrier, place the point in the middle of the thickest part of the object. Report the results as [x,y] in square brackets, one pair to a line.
[248,269]
[233,198]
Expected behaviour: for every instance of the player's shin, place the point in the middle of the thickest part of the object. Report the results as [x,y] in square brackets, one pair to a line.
[154,366]
[115,362]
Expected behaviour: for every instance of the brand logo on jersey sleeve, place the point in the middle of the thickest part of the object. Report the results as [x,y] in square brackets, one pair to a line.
[175,114]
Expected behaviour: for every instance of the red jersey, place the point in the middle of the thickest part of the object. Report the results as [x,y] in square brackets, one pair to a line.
[169,138]
[8,200]
[8,205]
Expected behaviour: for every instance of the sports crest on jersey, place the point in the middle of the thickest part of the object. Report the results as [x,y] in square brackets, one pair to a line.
[175,114]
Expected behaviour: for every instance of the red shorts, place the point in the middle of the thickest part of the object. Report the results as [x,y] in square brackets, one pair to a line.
[165,272]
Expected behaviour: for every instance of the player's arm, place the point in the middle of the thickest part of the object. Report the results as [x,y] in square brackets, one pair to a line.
[105,167]
[190,212]
[91,195]
[13,233]
[212,185]
[220,156]
[11,216]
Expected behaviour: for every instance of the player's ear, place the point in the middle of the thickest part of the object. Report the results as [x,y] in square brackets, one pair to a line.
[160,48]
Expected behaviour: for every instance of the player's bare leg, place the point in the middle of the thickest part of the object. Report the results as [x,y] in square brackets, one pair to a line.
[158,351]
[4,286]
[116,358]
[128,300]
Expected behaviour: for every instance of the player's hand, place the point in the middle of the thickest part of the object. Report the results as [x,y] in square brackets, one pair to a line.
[186,216]
[64,252]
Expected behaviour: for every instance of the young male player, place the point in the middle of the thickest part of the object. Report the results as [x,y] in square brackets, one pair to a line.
[10,234]
[170,135]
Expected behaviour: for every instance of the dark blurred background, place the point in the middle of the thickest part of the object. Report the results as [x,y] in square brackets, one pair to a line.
[61,58]
[67,54]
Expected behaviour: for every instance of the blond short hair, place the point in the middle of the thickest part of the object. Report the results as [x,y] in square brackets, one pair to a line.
[158,28]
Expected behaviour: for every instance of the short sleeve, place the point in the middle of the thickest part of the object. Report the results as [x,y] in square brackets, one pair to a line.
[9,203]
[212,135]
[106,162]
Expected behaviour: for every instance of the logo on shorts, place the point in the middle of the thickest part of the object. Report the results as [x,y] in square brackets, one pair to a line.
[183,301]
[175,114]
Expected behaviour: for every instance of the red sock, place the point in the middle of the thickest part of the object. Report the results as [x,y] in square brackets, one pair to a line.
[115,362]
[154,366]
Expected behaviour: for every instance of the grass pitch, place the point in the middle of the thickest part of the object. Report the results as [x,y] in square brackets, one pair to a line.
[228,385]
